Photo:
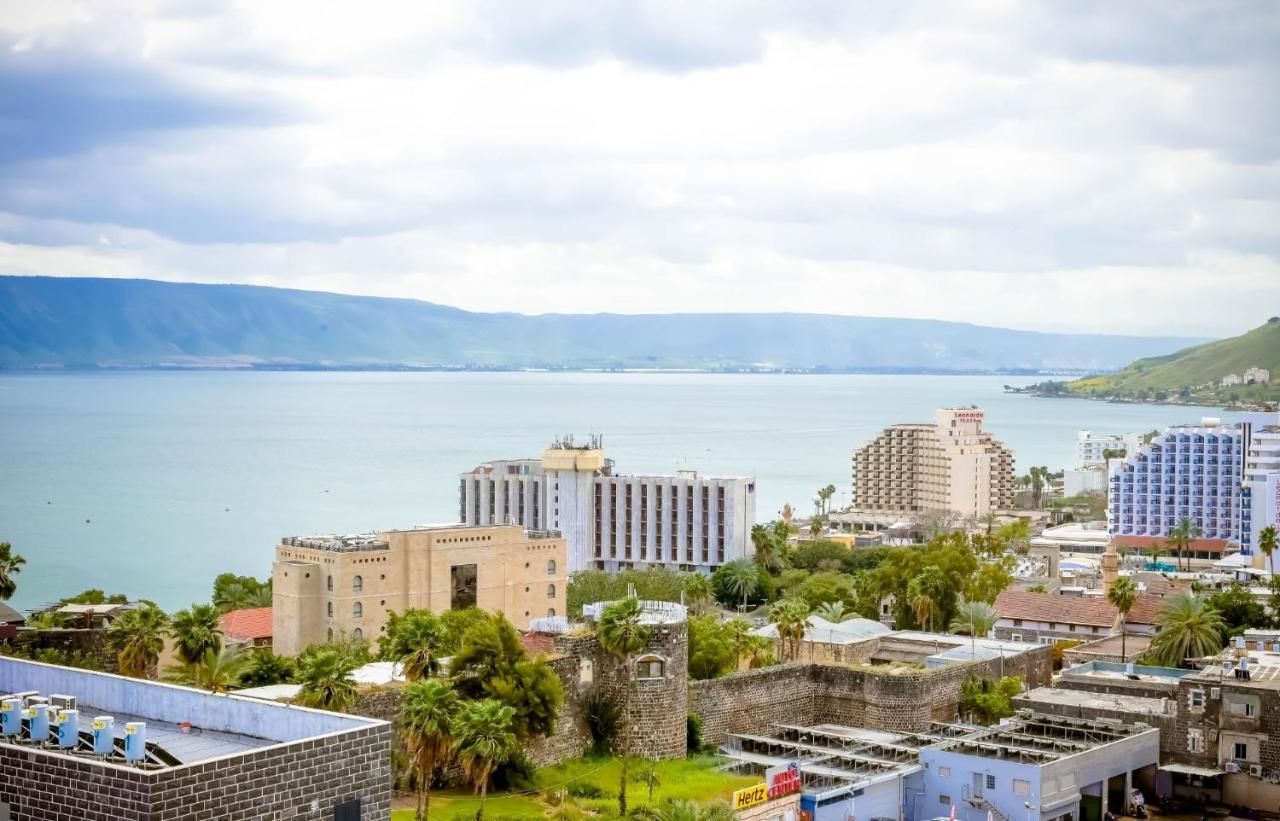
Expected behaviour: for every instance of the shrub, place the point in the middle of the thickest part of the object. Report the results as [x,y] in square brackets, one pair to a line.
[693,733]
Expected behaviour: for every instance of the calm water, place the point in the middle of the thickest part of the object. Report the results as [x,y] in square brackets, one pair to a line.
[153,483]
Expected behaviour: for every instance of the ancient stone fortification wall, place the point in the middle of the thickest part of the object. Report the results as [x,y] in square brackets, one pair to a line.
[654,711]
[572,735]
[750,701]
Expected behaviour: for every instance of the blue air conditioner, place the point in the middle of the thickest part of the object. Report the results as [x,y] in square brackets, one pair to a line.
[104,735]
[135,741]
[68,729]
[11,716]
[38,722]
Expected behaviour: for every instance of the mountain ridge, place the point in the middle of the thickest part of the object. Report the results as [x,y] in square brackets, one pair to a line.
[104,322]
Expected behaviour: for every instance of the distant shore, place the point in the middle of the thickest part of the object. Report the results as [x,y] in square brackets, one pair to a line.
[1121,399]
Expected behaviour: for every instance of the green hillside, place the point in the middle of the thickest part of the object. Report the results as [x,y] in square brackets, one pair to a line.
[1195,374]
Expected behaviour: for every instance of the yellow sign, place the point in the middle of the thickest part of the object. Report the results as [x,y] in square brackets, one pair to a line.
[750,796]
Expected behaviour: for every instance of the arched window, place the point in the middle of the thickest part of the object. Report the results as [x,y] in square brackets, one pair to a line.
[551,612]
[551,591]
[551,567]
[357,610]
[330,634]
[650,667]
[357,634]
[330,609]
[357,584]
[329,583]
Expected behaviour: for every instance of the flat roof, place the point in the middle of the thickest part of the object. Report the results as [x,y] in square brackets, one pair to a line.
[1063,697]
[1129,671]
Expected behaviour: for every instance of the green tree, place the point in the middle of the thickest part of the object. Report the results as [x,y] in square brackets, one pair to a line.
[622,635]
[685,810]
[414,641]
[216,671]
[484,741]
[697,592]
[1188,628]
[1123,594]
[426,720]
[992,579]
[265,667]
[976,618]
[833,612]
[740,577]
[989,701]
[651,583]
[138,639]
[95,596]
[927,592]
[791,619]
[456,623]
[491,663]
[950,554]
[232,592]
[1015,536]
[711,648]
[1267,544]
[196,632]
[1180,539]
[10,565]
[326,680]
[1239,611]
[767,548]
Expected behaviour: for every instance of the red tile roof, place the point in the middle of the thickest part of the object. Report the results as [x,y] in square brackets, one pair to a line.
[1084,610]
[254,623]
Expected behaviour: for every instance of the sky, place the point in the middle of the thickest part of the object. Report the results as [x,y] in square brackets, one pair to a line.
[1085,166]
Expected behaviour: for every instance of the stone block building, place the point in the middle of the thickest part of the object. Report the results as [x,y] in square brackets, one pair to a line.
[204,756]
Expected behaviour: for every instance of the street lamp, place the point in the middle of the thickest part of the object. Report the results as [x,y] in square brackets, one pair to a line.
[1029,807]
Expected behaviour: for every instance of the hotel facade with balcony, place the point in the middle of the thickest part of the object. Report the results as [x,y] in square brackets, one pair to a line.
[684,521]
[950,465]
[1225,478]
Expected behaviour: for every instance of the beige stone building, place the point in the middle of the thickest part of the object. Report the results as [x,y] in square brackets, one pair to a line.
[950,465]
[330,586]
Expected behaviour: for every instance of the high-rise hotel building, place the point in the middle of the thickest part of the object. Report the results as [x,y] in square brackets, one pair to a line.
[610,521]
[951,465]
[1225,478]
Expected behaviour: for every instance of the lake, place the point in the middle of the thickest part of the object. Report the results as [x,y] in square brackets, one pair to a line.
[151,483]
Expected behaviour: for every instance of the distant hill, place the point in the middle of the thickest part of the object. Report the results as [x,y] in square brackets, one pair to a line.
[1195,374]
[89,322]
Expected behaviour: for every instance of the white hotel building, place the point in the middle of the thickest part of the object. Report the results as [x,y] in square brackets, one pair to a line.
[612,522]
[1224,478]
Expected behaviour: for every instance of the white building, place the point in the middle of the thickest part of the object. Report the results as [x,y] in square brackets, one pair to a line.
[610,522]
[1224,478]
[1091,448]
[1231,380]
[1259,375]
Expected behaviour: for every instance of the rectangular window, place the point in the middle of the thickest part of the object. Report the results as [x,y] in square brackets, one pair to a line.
[991,782]
[463,592]
[1196,699]
[1242,708]
[944,799]
[1195,740]
[1021,787]
[944,772]
[1240,751]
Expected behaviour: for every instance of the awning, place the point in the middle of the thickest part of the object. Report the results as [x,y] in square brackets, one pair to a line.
[1188,769]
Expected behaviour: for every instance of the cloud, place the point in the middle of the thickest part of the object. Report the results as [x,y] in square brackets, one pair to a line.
[1023,164]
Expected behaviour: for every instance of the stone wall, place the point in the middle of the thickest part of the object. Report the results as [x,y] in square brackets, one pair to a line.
[572,734]
[654,712]
[750,701]
[302,780]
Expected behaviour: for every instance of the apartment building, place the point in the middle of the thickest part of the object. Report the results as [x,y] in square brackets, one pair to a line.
[1091,447]
[950,465]
[612,521]
[1225,478]
[330,586]
[1259,376]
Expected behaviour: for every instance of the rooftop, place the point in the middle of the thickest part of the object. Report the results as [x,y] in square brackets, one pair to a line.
[183,725]
[1031,738]
[1063,697]
[652,612]
[253,623]
[1111,646]
[1056,609]
[1128,672]
[337,542]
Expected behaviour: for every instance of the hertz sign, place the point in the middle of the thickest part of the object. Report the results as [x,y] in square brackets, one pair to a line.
[748,797]
[778,781]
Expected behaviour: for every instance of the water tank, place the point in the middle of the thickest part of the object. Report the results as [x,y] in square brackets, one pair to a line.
[68,729]
[104,735]
[11,716]
[38,722]
[135,741]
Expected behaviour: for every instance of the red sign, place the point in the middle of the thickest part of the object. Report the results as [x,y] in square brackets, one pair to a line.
[783,780]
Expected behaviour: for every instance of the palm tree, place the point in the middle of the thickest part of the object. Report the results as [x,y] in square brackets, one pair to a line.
[427,715]
[697,591]
[234,596]
[758,651]
[326,681]
[10,565]
[832,611]
[791,618]
[1015,536]
[975,618]
[623,635]
[484,741]
[1181,537]
[1188,628]
[216,672]
[138,639]
[1267,544]
[988,519]
[685,810]
[743,578]
[921,604]
[196,632]
[415,641]
[768,550]
[1123,594]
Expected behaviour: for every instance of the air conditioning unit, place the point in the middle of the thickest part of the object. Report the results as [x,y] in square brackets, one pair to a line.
[62,702]
[1255,770]
[1231,767]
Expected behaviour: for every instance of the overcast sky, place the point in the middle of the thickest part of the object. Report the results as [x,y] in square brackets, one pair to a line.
[1061,166]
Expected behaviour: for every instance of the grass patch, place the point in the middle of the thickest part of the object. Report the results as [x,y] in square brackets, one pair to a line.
[595,780]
